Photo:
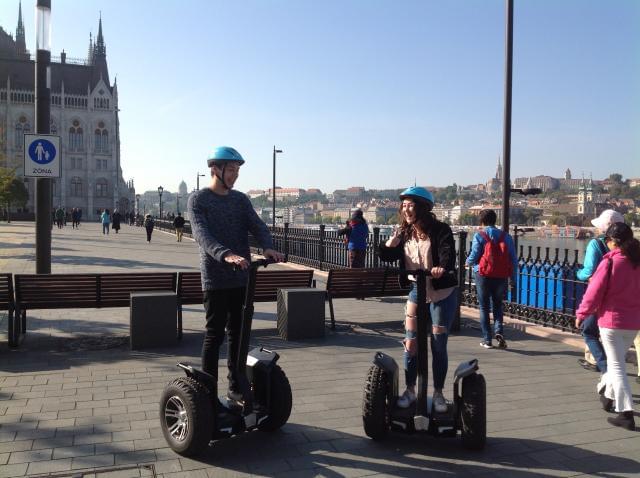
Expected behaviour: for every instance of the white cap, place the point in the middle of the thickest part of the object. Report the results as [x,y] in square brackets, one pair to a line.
[606,218]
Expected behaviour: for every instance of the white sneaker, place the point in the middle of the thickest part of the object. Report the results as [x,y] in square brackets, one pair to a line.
[406,399]
[439,403]
[601,385]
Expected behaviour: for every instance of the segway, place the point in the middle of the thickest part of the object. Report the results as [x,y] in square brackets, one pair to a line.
[192,414]
[467,412]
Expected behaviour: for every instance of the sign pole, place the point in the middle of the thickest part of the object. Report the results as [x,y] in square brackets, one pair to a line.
[43,118]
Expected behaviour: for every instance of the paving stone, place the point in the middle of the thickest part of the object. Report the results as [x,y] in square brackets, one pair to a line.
[29,456]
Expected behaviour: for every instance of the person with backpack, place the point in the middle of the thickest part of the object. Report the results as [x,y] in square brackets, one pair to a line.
[494,260]
[357,233]
[596,249]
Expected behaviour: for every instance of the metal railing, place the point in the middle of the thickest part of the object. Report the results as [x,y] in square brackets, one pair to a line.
[546,292]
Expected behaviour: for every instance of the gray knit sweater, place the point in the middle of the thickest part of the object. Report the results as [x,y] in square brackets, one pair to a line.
[221,224]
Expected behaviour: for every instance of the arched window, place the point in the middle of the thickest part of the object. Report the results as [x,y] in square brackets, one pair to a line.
[76,139]
[101,188]
[76,187]
[101,139]
[22,127]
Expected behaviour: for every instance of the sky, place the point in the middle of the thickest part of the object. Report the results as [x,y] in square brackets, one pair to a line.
[370,93]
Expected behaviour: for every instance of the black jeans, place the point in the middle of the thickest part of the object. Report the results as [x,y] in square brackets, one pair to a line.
[223,309]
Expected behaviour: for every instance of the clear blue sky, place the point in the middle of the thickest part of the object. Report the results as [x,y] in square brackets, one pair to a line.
[370,93]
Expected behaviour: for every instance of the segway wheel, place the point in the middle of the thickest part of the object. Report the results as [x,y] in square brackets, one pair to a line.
[280,401]
[474,412]
[375,411]
[186,416]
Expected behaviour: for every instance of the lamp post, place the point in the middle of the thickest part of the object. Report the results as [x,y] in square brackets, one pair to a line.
[43,118]
[160,191]
[198,180]
[137,204]
[506,135]
[273,191]
[178,203]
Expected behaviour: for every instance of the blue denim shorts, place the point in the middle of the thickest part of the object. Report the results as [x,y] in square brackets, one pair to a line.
[443,311]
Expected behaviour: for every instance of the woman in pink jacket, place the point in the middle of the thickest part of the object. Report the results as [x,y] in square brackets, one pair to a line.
[614,295]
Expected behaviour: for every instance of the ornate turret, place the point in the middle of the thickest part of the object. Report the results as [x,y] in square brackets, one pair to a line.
[21,45]
[499,170]
[567,174]
[99,58]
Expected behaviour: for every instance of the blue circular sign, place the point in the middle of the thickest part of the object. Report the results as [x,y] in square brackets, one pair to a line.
[42,151]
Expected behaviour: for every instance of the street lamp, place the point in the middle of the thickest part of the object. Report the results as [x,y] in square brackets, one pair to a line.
[160,191]
[43,124]
[178,203]
[198,180]
[137,204]
[273,191]
[506,135]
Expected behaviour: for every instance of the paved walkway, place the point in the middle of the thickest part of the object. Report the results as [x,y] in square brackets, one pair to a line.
[73,396]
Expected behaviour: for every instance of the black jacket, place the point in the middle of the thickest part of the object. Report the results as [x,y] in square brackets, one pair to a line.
[443,254]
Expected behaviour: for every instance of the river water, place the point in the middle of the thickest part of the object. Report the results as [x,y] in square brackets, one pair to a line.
[531,239]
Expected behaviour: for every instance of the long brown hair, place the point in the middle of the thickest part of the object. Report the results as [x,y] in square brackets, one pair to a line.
[425,219]
[622,236]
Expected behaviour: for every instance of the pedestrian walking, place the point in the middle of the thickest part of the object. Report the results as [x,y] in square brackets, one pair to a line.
[423,242]
[221,220]
[494,261]
[178,224]
[614,296]
[149,223]
[595,357]
[75,218]
[60,217]
[115,220]
[105,218]
[357,233]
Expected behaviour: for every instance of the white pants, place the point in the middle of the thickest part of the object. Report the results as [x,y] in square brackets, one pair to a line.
[616,342]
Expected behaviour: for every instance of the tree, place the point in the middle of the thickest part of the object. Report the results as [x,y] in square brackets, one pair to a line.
[616,178]
[12,190]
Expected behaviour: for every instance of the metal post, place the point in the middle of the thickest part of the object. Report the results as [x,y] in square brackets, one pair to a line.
[43,119]
[273,191]
[322,226]
[198,180]
[462,253]
[506,145]
[376,244]
[285,239]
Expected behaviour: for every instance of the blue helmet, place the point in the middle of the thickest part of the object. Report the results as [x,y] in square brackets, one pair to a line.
[225,154]
[418,192]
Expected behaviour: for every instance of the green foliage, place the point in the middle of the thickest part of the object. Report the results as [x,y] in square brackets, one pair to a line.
[616,178]
[468,220]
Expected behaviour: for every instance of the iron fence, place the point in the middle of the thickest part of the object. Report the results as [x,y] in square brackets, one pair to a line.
[546,290]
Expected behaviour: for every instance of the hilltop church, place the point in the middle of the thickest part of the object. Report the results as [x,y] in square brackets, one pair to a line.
[84,113]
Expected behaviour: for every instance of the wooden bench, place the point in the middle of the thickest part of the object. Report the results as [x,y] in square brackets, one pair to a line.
[74,291]
[268,281]
[361,283]
[6,303]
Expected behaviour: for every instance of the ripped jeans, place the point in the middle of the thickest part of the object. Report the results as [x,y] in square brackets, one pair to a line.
[442,314]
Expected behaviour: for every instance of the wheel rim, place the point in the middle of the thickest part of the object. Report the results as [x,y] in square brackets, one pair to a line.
[175,418]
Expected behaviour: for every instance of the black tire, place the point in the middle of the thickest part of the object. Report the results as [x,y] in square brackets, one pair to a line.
[280,401]
[188,398]
[375,411]
[474,412]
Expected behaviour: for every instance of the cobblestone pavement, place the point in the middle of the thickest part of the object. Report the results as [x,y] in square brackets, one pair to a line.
[74,396]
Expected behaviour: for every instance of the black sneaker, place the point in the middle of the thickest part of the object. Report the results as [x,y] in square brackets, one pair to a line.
[502,344]
[607,403]
[587,366]
[486,345]
[624,420]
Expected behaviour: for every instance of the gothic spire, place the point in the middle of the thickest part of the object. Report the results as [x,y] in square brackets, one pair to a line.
[100,48]
[90,52]
[21,45]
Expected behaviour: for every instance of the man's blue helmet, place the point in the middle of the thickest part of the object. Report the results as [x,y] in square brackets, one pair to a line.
[224,154]
[418,192]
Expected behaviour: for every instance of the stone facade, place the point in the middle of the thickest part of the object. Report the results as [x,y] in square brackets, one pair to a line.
[84,113]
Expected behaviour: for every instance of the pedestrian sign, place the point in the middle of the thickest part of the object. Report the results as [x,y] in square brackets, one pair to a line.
[41,156]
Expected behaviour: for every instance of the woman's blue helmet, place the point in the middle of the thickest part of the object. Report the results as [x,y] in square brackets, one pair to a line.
[418,192]
[225,154]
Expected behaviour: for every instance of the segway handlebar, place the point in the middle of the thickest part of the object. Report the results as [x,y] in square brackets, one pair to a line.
[265,262]
[421,272]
